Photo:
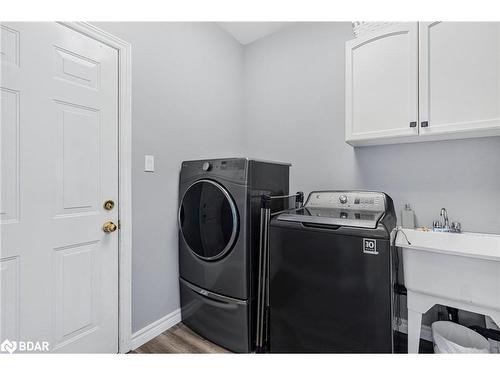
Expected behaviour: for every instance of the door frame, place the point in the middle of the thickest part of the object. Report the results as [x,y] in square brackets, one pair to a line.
[124,174]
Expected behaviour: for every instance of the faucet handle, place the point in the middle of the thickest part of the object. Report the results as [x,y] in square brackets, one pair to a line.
[437,224]
[456,227]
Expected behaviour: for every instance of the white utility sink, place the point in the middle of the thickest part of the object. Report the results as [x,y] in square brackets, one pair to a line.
[460,270]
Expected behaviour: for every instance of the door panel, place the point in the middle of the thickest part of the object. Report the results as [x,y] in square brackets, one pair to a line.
[59,165]
[9,297]
[9,201]
[459,84]
[77,69]
[78,145]
[9,46]
[381,84]
[76,285]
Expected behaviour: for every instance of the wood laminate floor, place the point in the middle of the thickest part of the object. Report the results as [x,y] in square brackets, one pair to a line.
[180,339]
[177,340]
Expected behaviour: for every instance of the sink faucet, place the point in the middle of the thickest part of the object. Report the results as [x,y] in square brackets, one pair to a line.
[444,215]
[444,226]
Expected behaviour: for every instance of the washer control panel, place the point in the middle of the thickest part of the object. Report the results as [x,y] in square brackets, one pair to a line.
[351,200]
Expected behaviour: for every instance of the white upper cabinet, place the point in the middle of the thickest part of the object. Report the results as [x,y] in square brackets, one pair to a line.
[382,84]
[459,80]
[423,81]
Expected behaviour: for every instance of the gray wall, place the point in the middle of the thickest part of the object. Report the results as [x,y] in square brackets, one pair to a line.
[186,104]
[294,111]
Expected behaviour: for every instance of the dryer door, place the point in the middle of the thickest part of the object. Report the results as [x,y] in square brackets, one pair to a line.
[208,219]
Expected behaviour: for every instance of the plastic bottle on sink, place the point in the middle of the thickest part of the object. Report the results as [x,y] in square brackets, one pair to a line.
[407,217]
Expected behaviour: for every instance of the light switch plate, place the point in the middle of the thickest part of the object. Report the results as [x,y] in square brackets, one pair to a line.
[149,163]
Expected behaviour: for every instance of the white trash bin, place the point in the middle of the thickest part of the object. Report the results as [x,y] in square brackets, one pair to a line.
[494,345]
[450,337]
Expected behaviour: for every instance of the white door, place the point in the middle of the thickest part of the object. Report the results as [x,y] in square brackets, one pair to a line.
[59,139]
[382,85]
[459,77]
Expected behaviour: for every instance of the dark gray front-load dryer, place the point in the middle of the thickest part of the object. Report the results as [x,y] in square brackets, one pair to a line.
[219,205]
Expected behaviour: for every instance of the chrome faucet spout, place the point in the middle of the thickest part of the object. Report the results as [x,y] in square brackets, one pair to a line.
[444,215]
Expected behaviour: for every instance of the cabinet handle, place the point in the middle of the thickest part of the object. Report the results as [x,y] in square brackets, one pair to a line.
[413,124]
[424,124]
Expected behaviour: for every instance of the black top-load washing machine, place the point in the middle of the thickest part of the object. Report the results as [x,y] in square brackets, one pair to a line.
[219,205]
[330,281]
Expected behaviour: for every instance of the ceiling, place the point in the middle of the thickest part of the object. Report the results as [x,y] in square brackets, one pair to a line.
[248,32]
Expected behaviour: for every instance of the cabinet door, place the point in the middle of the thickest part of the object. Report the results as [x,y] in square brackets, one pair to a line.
[382,86]
[459,80]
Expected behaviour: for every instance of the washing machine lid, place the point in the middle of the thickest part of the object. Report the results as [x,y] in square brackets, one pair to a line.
[208,219]
[360,209]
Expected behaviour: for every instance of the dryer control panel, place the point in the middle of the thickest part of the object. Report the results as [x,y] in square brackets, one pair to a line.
[234,170]
[349,200]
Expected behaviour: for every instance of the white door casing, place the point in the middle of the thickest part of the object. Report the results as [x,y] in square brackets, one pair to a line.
[459,80]
[59,270]
[382,84]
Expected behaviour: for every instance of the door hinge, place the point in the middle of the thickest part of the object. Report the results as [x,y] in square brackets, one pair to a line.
[119,224]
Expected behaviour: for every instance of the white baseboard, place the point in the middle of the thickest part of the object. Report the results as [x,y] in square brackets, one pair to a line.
[161,325]
[154,329]
[425,332]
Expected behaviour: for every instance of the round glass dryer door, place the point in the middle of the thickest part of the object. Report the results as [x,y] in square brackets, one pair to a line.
[208,219]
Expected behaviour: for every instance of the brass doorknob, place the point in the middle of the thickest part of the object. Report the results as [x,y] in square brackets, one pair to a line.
[109,227]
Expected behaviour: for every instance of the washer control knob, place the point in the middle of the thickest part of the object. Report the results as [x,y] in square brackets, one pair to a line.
[206,166]
[343,199]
